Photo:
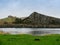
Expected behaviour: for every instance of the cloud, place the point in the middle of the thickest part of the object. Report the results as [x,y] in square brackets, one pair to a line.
[21,8]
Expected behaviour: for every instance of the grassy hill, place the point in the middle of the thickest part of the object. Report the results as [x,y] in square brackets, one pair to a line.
[9,19]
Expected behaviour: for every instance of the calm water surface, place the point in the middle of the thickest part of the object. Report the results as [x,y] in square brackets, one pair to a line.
[31,30]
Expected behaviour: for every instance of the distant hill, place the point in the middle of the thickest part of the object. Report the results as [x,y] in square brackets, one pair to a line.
[8,19]
[33,20]
[37,18]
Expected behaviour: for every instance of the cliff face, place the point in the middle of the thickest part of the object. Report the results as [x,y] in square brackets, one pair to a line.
[36,18]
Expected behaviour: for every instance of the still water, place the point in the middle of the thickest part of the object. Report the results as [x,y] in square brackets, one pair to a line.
[33,31]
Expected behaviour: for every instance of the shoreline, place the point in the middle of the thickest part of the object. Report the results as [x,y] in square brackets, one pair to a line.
[28,26]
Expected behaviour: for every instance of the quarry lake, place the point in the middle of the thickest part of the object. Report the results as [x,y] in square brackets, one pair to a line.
[34,31]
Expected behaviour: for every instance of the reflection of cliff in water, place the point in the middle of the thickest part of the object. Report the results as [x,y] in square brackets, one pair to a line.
[39,32]
[33,31]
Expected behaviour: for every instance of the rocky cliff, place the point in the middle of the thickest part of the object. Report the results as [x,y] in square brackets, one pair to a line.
[33,21]
[40,19]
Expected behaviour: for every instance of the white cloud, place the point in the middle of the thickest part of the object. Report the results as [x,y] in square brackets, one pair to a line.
[19,9]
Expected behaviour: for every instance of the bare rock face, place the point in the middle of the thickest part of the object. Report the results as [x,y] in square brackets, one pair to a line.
[36,18]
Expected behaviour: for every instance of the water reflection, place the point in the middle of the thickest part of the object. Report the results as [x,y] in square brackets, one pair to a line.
[33,31]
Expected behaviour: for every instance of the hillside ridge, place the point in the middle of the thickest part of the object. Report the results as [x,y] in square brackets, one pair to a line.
[33,20]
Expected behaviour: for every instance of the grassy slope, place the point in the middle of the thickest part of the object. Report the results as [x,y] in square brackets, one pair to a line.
[9,19]
[29,40]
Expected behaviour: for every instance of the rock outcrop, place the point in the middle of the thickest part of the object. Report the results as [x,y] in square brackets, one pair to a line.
[33,21]
[36,18]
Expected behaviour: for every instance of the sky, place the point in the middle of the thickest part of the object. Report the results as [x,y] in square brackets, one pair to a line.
[23,8]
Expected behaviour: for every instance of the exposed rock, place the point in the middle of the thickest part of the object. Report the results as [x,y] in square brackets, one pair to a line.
[40,19]
[35,20]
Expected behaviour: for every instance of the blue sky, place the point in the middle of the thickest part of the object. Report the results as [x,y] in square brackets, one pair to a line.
[23,8]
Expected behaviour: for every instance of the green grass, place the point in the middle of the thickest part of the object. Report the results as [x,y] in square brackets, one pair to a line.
[9,19]
[29,40]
